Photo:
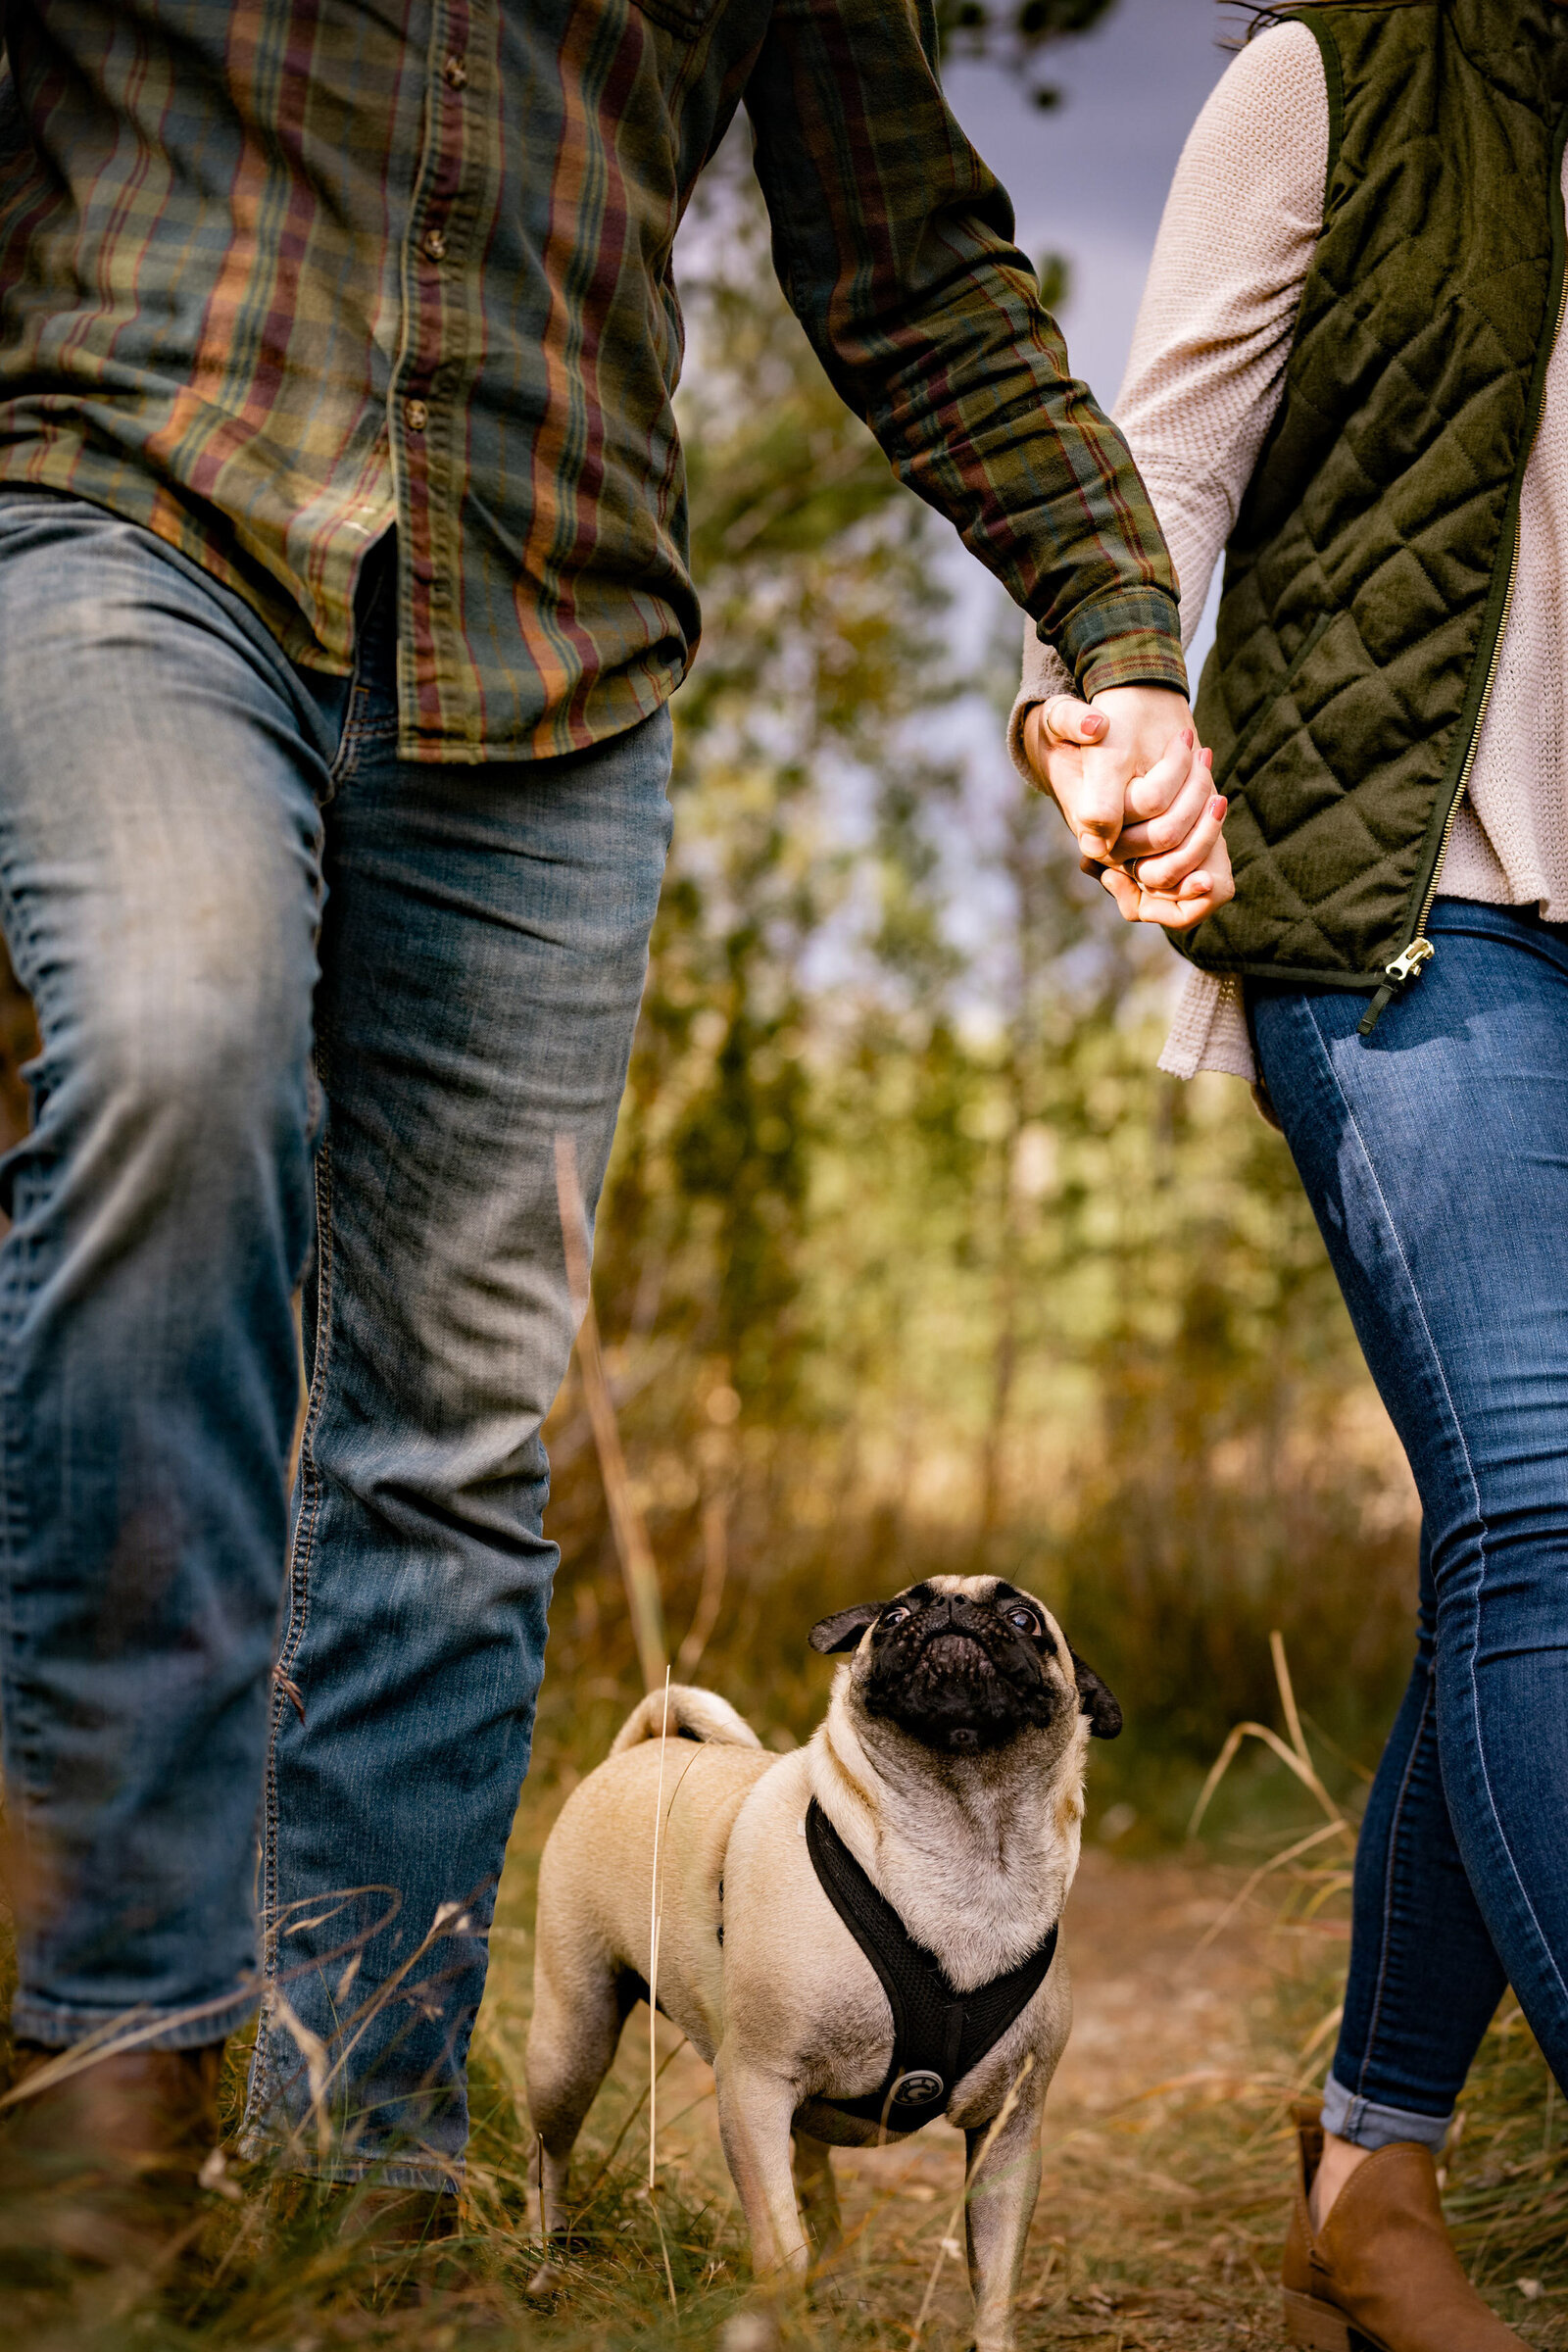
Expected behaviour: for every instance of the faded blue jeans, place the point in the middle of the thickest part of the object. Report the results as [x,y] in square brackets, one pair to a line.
[307,1011]
[1435,1153]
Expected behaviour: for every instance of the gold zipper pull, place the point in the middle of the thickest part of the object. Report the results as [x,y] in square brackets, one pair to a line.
[1404,968]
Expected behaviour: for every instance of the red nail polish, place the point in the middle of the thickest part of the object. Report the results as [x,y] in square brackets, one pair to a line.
[1208,756]
[1218,806]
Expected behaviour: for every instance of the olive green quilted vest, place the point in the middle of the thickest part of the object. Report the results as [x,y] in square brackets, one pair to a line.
[1368,576]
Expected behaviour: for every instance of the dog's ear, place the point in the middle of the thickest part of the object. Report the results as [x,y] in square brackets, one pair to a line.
[1102,1705]
[843,1629]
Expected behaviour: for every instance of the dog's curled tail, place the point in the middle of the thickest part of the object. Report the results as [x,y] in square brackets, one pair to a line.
[693,1715]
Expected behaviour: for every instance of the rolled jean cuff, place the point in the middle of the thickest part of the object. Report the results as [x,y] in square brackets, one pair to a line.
[56,2026]
[1365,2125]
[435,2174]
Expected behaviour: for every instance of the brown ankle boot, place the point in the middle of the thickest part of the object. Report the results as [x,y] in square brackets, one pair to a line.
[102,2168]
[1380,2275]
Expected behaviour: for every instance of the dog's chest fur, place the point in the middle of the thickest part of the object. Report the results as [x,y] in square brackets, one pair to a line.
[977,1861]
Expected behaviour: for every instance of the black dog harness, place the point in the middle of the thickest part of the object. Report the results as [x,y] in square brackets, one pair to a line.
[938,2033]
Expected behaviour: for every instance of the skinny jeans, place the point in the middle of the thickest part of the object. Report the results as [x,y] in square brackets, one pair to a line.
[1435,1153]
[310,1012]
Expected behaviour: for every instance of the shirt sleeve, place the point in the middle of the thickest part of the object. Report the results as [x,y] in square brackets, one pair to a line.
[1215,330]
[895,246]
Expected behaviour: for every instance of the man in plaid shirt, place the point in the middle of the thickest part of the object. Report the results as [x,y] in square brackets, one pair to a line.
[343,588]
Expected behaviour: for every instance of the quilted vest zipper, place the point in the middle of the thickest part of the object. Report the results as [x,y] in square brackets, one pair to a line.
[1413,959]
[1409,963]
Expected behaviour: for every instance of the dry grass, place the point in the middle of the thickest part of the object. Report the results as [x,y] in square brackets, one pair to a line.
[1158,2223]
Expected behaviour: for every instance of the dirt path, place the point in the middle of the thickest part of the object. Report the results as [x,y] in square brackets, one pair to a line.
[1152,2003]
[1135,2242]
[1125,2251]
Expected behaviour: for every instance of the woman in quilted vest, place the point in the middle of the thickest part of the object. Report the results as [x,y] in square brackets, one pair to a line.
[1348,375]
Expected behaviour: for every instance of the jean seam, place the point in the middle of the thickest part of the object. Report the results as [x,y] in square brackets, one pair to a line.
[12,1466]
[357,728]
[341,765]
[298,1619]
[1436,1355]
[1388,1890]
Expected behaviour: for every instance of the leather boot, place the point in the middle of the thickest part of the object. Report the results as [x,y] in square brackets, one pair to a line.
[1380,2275]
[372,2214]
[395,2243]
[103,2168]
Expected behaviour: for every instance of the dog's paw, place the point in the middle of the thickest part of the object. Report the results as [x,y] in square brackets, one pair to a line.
[547,2279]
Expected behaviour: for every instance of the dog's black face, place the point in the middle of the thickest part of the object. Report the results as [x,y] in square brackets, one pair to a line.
[965,1671]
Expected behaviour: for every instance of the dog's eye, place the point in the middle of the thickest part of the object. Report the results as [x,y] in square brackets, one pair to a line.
[893,1617]
[1025,1620]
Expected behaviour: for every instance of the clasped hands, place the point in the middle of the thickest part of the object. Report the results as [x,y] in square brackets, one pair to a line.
[1135,785]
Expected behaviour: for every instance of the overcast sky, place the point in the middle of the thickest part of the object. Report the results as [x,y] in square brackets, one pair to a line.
[1089,180]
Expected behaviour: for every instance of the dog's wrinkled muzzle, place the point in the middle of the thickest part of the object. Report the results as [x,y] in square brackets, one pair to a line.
[956,1679]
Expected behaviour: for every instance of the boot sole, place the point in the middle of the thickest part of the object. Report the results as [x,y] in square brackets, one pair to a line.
[1324,2327]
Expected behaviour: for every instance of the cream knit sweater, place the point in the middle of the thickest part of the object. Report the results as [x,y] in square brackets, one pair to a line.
[1204,382]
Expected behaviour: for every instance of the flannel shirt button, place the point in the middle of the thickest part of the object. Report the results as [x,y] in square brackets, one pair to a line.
[435,244]
[417,416]
[455,73]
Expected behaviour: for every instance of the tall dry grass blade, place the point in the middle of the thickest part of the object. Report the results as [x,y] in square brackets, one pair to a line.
[313,2049]
[935,2272]
[997,2124]
[710,1601]
[1281,1676]
[1330,1883]
[656,1921]
[663,2248]
[644,1601]
[1320,2033]
[655,1911]
[450,1919]
[1292,1853]
[133,2030]
[1217,1773]
[632,2113]
[1287,1756]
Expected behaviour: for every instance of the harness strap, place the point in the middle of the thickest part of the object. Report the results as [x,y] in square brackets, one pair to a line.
[939,2033]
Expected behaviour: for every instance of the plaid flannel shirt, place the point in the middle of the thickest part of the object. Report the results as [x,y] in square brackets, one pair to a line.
[278,274]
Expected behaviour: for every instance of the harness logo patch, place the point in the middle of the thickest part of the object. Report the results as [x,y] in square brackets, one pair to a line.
[917,2089]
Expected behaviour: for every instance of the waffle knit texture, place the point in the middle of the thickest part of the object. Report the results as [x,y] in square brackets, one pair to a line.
[1202,386]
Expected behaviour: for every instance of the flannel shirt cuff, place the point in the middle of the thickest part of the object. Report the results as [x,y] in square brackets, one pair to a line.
[1130,639]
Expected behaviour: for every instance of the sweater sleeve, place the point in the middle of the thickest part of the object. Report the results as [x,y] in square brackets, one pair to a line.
[1207,370]
[1205,378]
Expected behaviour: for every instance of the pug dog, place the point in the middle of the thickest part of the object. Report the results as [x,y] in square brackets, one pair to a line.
[950,1767]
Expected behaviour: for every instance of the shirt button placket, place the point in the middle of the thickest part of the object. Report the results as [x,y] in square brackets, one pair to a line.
[440,243]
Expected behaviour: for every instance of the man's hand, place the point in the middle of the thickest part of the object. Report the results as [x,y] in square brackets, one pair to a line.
[1134,784]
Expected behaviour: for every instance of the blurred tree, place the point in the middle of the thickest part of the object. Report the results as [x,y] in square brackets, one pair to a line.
[909,1257]
[1015,33]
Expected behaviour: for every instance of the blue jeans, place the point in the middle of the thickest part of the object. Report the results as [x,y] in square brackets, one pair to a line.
[1435,1153]
[307,1011]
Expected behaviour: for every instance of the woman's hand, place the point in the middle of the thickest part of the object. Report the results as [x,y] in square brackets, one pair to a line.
[1133,782]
